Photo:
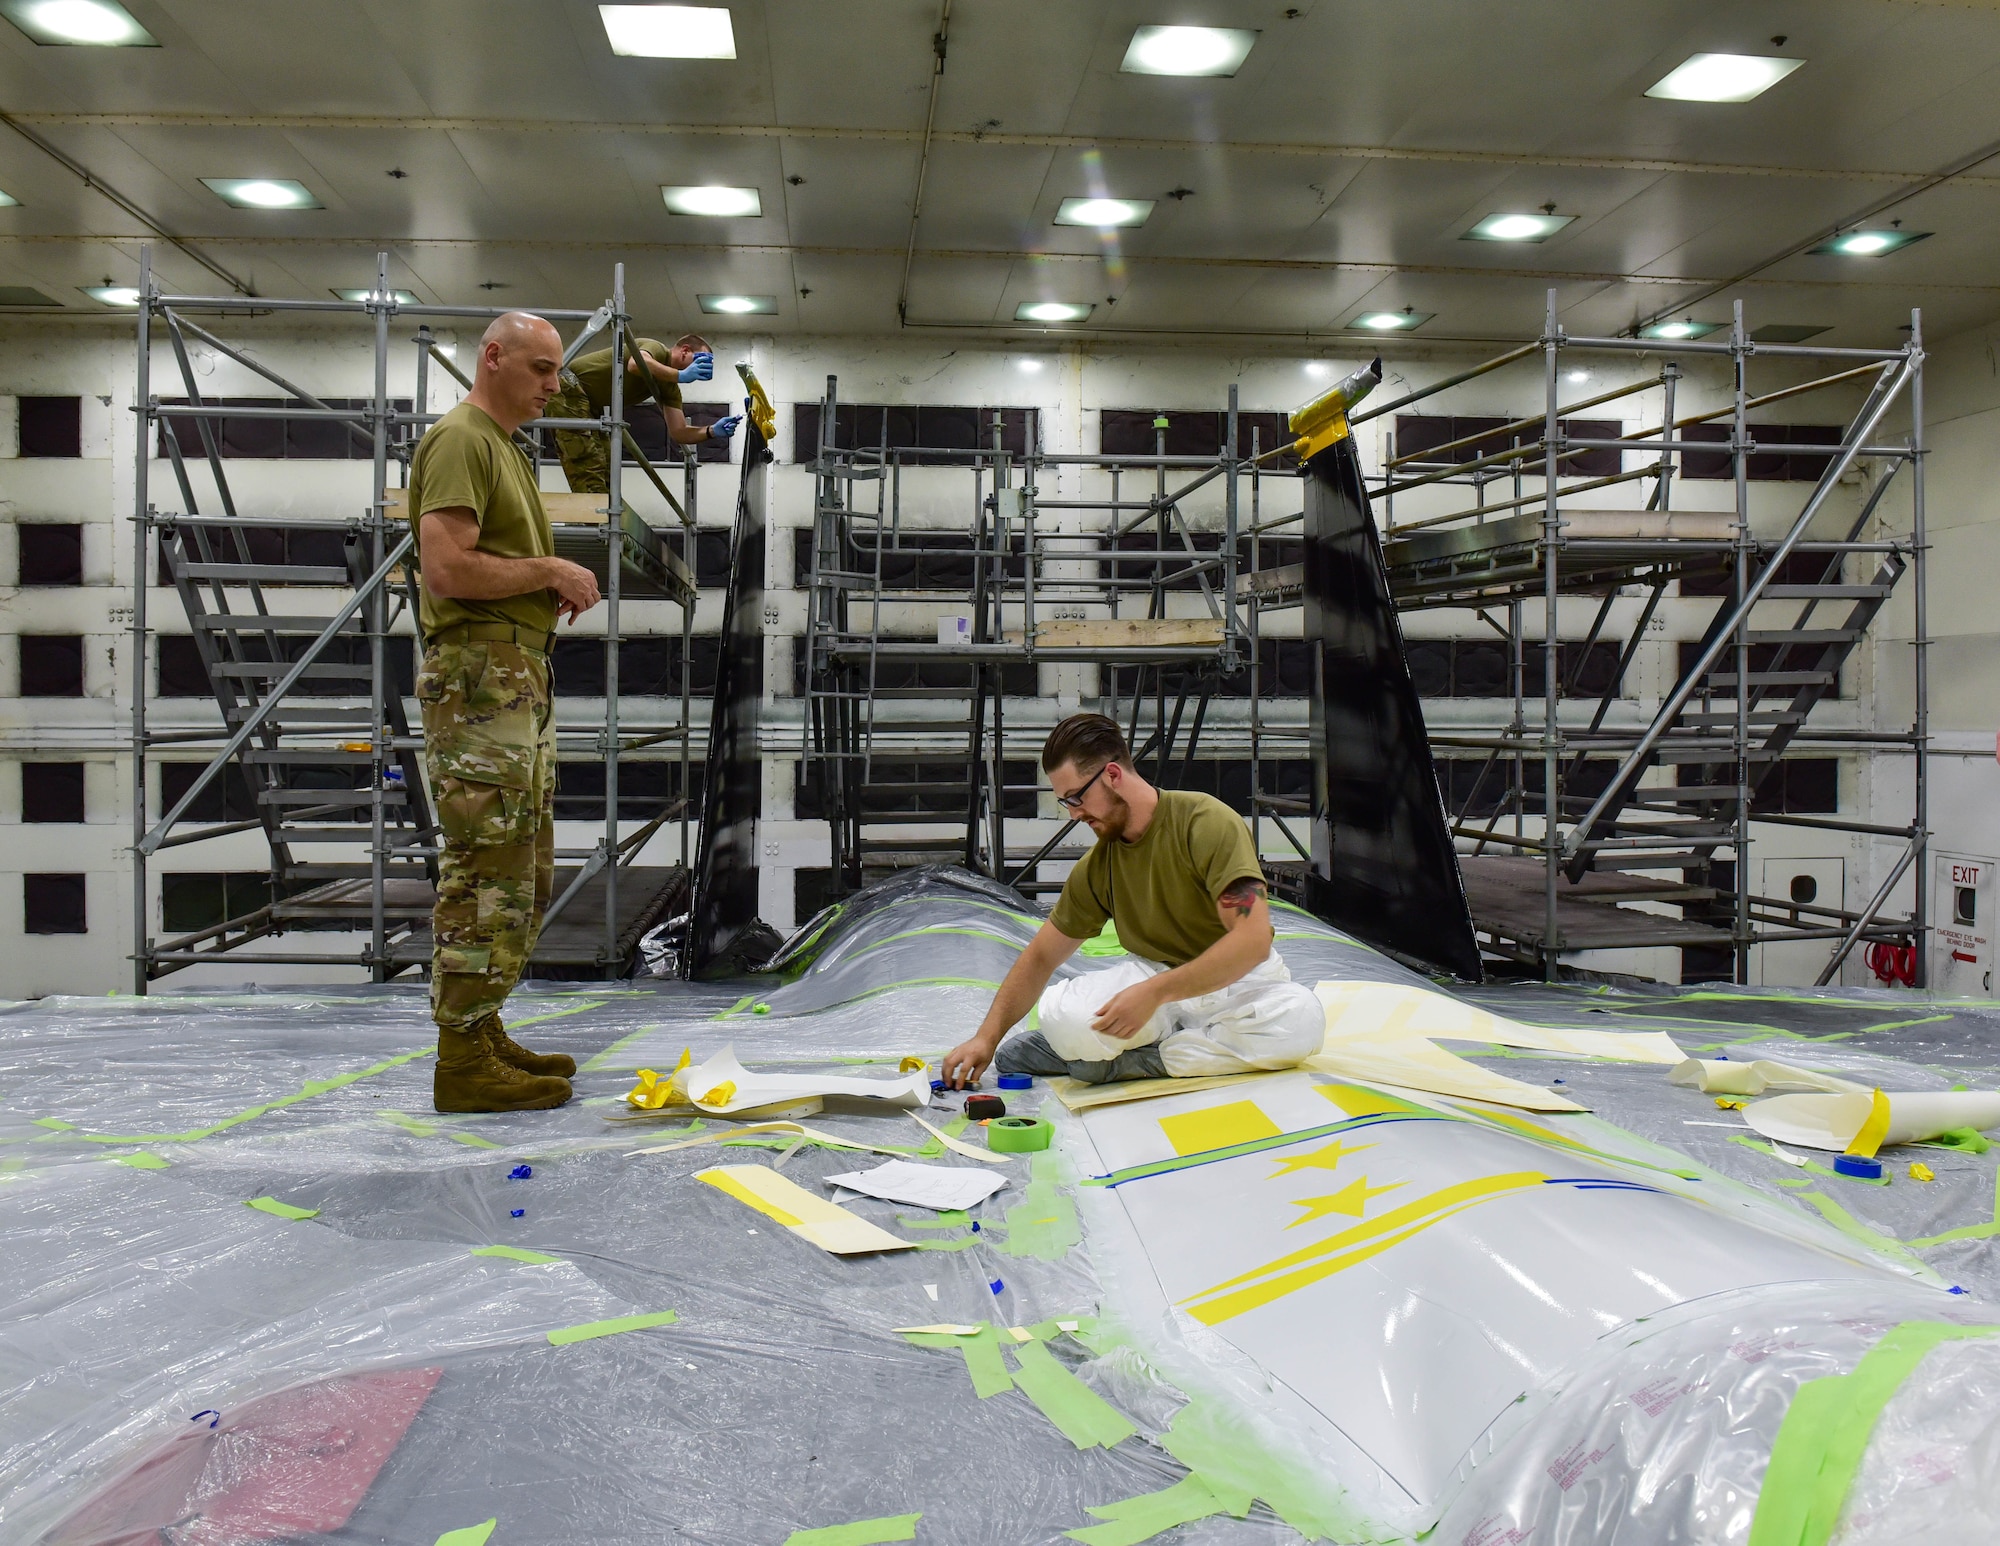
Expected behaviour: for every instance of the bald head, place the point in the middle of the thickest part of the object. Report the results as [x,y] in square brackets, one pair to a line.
[520,358]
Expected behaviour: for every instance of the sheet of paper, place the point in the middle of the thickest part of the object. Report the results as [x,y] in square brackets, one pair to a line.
[1369,1036]
[1831,1121]
[723,1085]
[826,1225]
[956,1147]
[923,1186]
[1078,1096]
[1401,1010]
[1725,1076]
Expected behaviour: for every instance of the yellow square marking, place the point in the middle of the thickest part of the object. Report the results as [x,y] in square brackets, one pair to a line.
[1197,1132]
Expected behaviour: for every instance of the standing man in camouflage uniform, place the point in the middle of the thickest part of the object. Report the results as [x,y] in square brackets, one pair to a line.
[655,372]
[492,591]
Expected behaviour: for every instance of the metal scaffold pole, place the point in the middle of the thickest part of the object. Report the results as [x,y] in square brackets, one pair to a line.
[142,542]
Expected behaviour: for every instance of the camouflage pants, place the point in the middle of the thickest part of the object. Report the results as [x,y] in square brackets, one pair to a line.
[490,750]
[586,458]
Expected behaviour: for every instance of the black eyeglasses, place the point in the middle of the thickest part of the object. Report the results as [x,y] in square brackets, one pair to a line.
[1074,802]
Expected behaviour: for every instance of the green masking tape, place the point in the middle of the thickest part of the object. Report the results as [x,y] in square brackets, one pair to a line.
[1018,1135]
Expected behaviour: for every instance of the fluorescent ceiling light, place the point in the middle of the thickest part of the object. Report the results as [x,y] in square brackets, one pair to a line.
[1517,228]
[1187,51]
[669,31]
[403,297]
[739,203]
[8,201]
[1103,213]
[78,23]
[1577,377]
[739,305]
[1723,78]
[1032,367]
[1869,244]
[1390,321]
[113,295]
[262,192]
[1052,311]
[1680,329]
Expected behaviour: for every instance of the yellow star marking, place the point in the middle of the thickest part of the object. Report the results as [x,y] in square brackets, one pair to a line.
[1319,1159]
[1351,1200]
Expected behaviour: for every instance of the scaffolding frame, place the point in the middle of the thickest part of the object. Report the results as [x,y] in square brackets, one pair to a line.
[1541,547]
[1029,589]
[382,594]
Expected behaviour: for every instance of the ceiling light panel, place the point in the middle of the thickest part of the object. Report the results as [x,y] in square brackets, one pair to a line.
[1104,214]
[8,201]
[1187,51]
[1722,78]
[1390,321]
[669,31]
[1869,244]
[1505,227]
[78,23]
[739,305]
[113,295]
[1679,330]
[1053,311]
[403,297]
[719,203]
[262,192]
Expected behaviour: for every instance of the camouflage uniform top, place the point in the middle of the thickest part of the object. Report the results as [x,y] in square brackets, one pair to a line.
[593,374]
[467,461]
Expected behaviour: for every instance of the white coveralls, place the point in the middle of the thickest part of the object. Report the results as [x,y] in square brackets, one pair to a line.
[1262,1020]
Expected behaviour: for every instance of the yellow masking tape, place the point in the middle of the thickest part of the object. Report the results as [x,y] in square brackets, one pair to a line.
[1869,1138]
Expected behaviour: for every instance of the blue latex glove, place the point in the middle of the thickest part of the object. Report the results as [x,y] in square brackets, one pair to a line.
[701,368]
[722,429]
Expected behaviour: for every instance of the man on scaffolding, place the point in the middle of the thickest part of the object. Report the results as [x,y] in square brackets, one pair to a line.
[492,589]
[1204,991]
[655,372]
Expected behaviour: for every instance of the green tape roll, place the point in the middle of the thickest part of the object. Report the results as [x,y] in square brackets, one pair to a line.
[1018,1135]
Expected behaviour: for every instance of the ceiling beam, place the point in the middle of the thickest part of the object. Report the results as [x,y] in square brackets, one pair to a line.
[1448,155]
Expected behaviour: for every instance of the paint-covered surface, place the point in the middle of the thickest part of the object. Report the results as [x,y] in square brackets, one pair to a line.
[624,1351]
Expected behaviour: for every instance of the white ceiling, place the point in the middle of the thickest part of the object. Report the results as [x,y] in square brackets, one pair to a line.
[1336,172]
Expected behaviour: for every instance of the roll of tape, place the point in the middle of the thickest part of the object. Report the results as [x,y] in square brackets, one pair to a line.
[982,1107]
[1018,1135]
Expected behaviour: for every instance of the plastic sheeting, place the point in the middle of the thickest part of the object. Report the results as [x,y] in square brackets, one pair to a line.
[143,1300]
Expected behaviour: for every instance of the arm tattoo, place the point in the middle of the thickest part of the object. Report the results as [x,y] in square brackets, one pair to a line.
[1242,896]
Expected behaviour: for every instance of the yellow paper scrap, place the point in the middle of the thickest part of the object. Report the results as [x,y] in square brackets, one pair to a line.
[910,1065]
[1919,1171]
[826,1225]
[1724,1103]
[652,1092]
[720,1096]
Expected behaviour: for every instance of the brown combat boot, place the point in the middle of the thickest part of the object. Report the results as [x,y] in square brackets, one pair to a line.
[469,1077]
[514,1055]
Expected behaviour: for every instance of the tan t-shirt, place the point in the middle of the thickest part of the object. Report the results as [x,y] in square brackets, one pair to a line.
[593,374]
[1164,888]
[470,462]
